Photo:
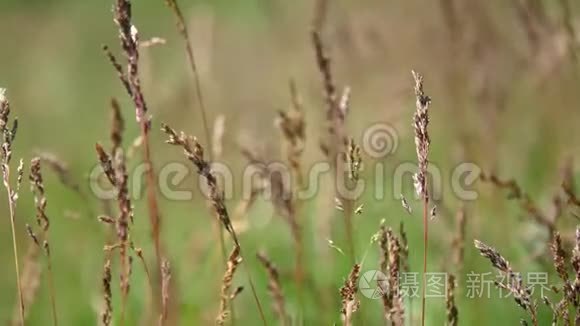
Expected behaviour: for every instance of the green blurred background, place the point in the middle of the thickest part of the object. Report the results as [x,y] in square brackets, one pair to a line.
[502,98]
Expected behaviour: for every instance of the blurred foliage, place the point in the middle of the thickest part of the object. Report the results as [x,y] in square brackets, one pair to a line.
[59,83]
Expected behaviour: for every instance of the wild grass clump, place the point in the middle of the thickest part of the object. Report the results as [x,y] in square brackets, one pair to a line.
[287,282]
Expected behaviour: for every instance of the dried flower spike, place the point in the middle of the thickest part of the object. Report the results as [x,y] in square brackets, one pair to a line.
[275,289]
[350,303]
[233,262]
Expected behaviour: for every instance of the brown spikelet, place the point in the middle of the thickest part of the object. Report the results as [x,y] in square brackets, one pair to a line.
[322,58]
[37,188]
[422,143]
[514,283]
[350,303]
[404,249]
[292,125]
[452,312]
[114,167]
[525,201]
[275,289]
[390,264]
[575,261]
[117,126]
[234,261]
[568,184]
[106,163]
[61,168]
[122,223]
[335,139]
[353,160]
[118,68]
[422,139]
[107,313]
[559,256]
[195,153]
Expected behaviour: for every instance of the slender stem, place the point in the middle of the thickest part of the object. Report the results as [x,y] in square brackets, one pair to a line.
[125,276]
[14,244]
[148,275]
[154,214]
[254,293]
[52,290]
[250,281]
[348,228]
[182,27]
[425,247]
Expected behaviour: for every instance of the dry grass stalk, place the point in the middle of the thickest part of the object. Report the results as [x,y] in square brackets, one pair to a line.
[570,297]
[62,171]
[458,243]
[452,312]
[195,153]
[514,283]
[129,38]
[165,278]
[575,261]
[390,265]
[292,125]
[331,147]
[139,253]
[334,144]
[37,188]
[61,168]
[233,262]
[114,167]
[117,127]
[422,142]
[182,28]
[568,187]
[533,18]
[283,198]
[333,115]
[8,135]
[350,303]
[107,313]
[275,289]
[31,274]
[405,267]
[525,202]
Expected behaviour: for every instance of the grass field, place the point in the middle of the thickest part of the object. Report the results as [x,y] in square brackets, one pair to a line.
[502,79]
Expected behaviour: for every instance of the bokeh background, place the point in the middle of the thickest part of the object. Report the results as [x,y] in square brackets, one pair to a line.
[504,80]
